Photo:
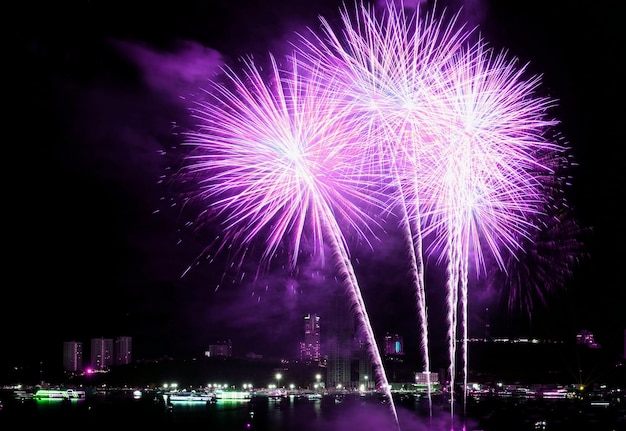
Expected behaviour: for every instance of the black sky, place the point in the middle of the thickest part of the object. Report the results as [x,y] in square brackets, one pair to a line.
[97,241]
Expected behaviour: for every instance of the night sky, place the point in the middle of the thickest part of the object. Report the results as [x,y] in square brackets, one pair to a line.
[97,238]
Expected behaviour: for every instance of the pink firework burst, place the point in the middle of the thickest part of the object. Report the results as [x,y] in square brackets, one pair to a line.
[383,64]
[274,164]
[485,176]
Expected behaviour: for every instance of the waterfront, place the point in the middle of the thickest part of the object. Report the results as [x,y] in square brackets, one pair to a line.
[328,413]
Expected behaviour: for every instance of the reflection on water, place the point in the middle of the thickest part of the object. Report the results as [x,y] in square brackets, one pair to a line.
[293,413]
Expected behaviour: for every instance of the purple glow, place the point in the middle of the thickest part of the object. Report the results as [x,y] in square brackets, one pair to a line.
[396,113]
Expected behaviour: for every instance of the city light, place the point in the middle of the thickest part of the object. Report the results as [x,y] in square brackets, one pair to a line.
[278,377]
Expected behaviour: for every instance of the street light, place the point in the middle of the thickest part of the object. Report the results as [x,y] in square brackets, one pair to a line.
[278,377]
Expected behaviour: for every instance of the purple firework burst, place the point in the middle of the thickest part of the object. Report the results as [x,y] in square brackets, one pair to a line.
[276,166]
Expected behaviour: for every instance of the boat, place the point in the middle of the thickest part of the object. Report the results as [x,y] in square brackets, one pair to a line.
[190,396]
[65,394]
[234,395]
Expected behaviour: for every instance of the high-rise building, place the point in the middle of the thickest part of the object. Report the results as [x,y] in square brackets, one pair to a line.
[310,347]
[362,370]
[221,348]
[340,342]
[101,353]
[394,344]
[72,356]
[123,350]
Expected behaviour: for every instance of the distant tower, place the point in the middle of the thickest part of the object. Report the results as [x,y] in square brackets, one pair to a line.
[362,369]
[72,356]
[310,347]
[394,344]
[340,342]
[101,353]
[123,350]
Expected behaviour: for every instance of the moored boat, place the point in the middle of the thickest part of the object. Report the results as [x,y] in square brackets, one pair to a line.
[190,396]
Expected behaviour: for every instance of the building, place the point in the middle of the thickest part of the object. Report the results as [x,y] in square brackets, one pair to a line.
[101,353]
[310,347]
[123,350]
[221,348]
[349,364]
[72,356]
[394,344]
[362,370]
[393,348]
[586,338]
[423,379]
[339,342]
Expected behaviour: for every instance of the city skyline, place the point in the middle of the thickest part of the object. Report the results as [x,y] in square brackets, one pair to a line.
[100,115]
[105,352]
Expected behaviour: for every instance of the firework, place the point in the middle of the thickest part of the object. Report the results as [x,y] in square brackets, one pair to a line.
[483,189]
[276,167]
[384,65]
[456,129]
[394,113]
[269,158]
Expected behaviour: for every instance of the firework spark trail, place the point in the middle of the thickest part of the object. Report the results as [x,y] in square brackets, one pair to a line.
[275,165]
[343,261]
[382,65]
[487,186]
